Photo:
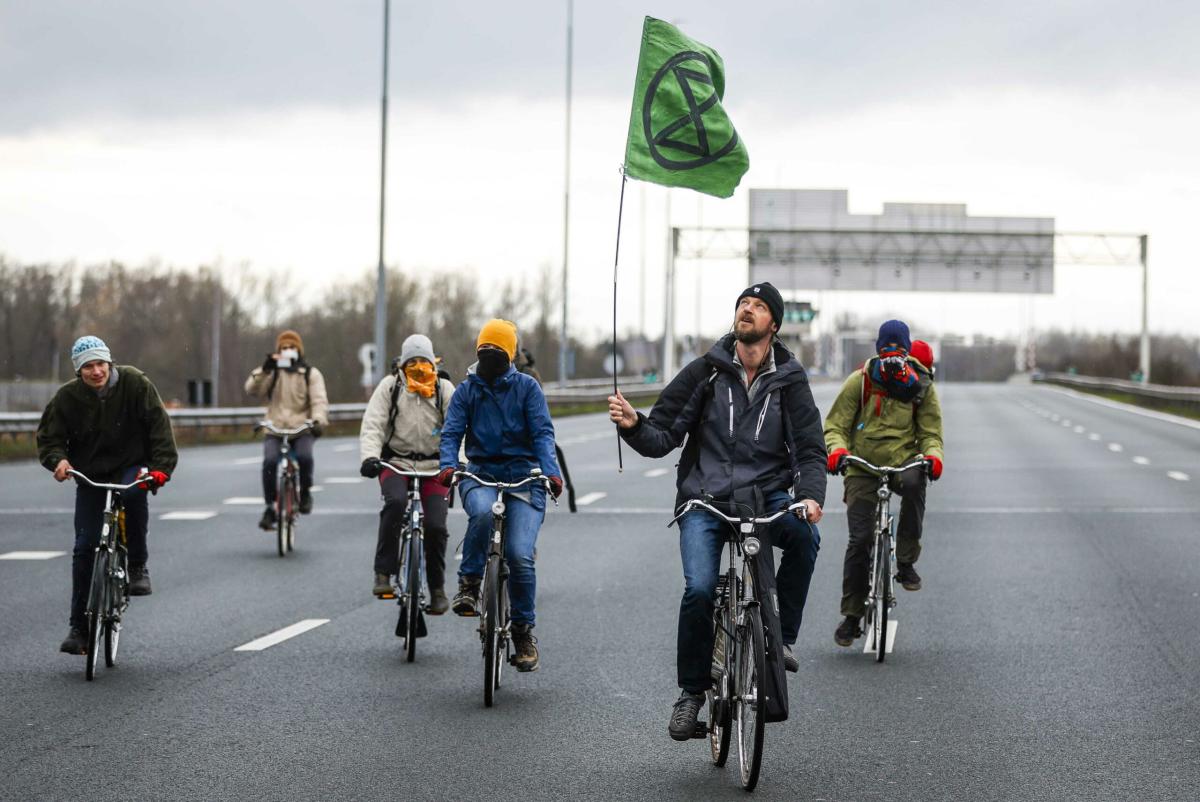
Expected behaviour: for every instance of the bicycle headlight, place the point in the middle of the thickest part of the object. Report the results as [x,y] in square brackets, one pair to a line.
[751,546]
[497,507]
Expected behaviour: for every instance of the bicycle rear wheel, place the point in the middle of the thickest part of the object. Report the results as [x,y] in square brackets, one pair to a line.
[95,611]
[412,594]
[882,566]
[748,713]
[491,629]
[283,492]
[293,509]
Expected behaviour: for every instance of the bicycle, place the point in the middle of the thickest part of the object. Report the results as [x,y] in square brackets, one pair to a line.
[881,596]
[409,590]
[494,622]
[733,702]
[108,594]
[287,488]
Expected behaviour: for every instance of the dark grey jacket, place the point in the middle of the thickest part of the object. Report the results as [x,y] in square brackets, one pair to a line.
[774,443]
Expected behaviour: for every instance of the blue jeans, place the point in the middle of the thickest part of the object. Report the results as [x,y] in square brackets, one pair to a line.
[89,520]
[701,541]
[522,522]
[302,450]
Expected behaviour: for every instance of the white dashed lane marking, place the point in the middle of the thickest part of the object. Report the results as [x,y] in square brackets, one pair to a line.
[1141,461]
[1116,447]
[187,515]
[1178,476]
[1093,436]
[590,498]
[343,480]
[247,461]
[653,472]
[1079,430]
[279,636]
[245,500]
[31,555]
[344,447]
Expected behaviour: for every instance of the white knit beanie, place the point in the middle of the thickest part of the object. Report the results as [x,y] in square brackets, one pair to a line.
[88,349]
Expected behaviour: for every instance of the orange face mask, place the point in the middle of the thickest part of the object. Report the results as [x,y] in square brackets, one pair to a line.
[421,378]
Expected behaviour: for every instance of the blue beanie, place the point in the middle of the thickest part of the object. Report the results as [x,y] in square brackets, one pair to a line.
[89,349]
[893,332]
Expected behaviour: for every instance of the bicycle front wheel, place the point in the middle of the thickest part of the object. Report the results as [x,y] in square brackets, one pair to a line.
[748,710]
[882,571]
[491,629]
[412,596]
[719,716]
[95,611]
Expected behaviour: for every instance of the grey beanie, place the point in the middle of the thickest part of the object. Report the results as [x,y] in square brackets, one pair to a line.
[88,349]
[416,345]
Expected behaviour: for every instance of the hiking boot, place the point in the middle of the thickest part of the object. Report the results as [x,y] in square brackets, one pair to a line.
[76,642]
[847,631]
[907,576]
[526,658]
[789,660]
[305,501]
[438,603]
[383,585]
[683,716]
[268,520]
[466,601]
[139,580]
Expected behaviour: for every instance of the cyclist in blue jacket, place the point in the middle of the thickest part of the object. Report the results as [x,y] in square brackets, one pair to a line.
[503,416]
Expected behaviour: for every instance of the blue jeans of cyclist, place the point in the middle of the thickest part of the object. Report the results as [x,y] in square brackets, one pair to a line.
[522,522]
[302,450]
[702,539]
[89,520]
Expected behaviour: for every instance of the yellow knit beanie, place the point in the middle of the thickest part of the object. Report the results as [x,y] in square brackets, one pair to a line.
[500,333]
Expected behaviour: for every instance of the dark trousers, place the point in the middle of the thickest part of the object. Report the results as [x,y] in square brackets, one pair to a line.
[391,524]
[702,538]
[302,448]
[89,520]
[860,515]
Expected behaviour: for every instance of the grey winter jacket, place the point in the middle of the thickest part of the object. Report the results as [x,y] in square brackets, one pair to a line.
[774,443]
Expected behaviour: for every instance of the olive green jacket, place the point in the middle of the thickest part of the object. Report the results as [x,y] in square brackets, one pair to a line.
[128,428]
[885,431]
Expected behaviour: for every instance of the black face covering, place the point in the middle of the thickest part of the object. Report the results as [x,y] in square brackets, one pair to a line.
[492,364]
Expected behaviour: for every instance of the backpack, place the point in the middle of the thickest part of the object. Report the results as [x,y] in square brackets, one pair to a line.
[869,389]
[393,411]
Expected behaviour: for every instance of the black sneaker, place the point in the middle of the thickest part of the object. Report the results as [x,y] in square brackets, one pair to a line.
[438,603]
[76,642]
[789,660]
[683,716]
[466,601]
[526,658]
[847,631]
[907,576]
[268,520]
[139,580]
[305,502]
[383,585]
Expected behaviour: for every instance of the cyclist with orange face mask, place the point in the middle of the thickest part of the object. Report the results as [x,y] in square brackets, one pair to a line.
[403,425]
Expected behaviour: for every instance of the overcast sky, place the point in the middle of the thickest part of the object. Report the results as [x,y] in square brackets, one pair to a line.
[247,132]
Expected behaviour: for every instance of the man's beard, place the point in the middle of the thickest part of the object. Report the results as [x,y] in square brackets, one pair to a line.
[751,336]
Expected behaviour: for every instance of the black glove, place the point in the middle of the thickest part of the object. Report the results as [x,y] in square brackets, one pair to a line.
[370,467]
[318,429]
[269,364]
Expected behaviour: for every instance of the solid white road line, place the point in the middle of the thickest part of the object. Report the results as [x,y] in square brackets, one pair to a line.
[31,555]
[248,461]
[1115,447]
[1141,461]
[653,472]
[343,480]
[585,438]
[1178,476]
[279,636]
[891,638]
[187,515]
[245,500]
[590,498]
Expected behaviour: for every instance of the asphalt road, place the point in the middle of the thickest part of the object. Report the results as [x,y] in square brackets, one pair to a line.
[1054,653]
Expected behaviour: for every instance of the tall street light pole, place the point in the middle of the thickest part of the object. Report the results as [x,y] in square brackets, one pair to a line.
[381,276]
[563,343]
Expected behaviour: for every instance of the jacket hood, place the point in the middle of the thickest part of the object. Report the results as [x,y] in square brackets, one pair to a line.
[505,377]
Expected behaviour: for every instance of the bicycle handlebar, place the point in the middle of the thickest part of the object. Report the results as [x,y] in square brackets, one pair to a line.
[536,476]
[108,485]
[410,474]
[696,503]
[270,427]
[883,470]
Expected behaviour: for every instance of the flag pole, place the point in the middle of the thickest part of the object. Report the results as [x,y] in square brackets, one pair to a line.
[617,261]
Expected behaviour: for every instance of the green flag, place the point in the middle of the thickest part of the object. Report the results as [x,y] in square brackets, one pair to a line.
[679,134]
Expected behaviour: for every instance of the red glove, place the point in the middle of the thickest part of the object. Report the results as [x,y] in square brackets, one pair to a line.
[837,460]
[556,486]
[153,480]
[933,468]
[445,477]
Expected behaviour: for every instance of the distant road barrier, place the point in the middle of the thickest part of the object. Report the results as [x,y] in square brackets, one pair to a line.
[1158,396]
[587,391]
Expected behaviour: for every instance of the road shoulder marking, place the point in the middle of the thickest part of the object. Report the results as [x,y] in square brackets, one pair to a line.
[280,635]
[1132,410]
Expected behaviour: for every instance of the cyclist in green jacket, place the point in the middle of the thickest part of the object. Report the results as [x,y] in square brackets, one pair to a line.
[886,413]
[109,424]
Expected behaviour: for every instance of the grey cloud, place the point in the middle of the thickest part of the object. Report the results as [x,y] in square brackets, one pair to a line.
[63,63]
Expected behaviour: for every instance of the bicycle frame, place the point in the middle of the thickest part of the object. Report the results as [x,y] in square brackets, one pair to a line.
[287,483]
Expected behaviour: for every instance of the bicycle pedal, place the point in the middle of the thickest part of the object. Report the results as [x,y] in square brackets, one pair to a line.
[387,596]
[701,730]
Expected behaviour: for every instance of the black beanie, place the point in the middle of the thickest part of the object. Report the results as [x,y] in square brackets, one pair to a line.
[766,293]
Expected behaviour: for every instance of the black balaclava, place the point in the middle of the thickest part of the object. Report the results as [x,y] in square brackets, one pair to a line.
[493,363]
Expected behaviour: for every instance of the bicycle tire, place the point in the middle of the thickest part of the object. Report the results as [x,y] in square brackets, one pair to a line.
[491,628]
[883,566]
[412,596]
[502,631]
[751,667]
[282,494]
[95,612]
[719,717]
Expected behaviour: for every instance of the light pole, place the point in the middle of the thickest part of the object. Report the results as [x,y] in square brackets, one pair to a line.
[562,334]
[381,275]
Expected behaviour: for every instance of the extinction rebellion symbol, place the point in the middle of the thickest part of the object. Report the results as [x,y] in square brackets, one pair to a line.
[658,141]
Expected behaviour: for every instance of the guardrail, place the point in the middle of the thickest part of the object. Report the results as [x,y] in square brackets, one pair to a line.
[1158,396]
[588,391]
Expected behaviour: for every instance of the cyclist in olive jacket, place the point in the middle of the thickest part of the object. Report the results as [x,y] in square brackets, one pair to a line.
[749,418]
[110,425]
